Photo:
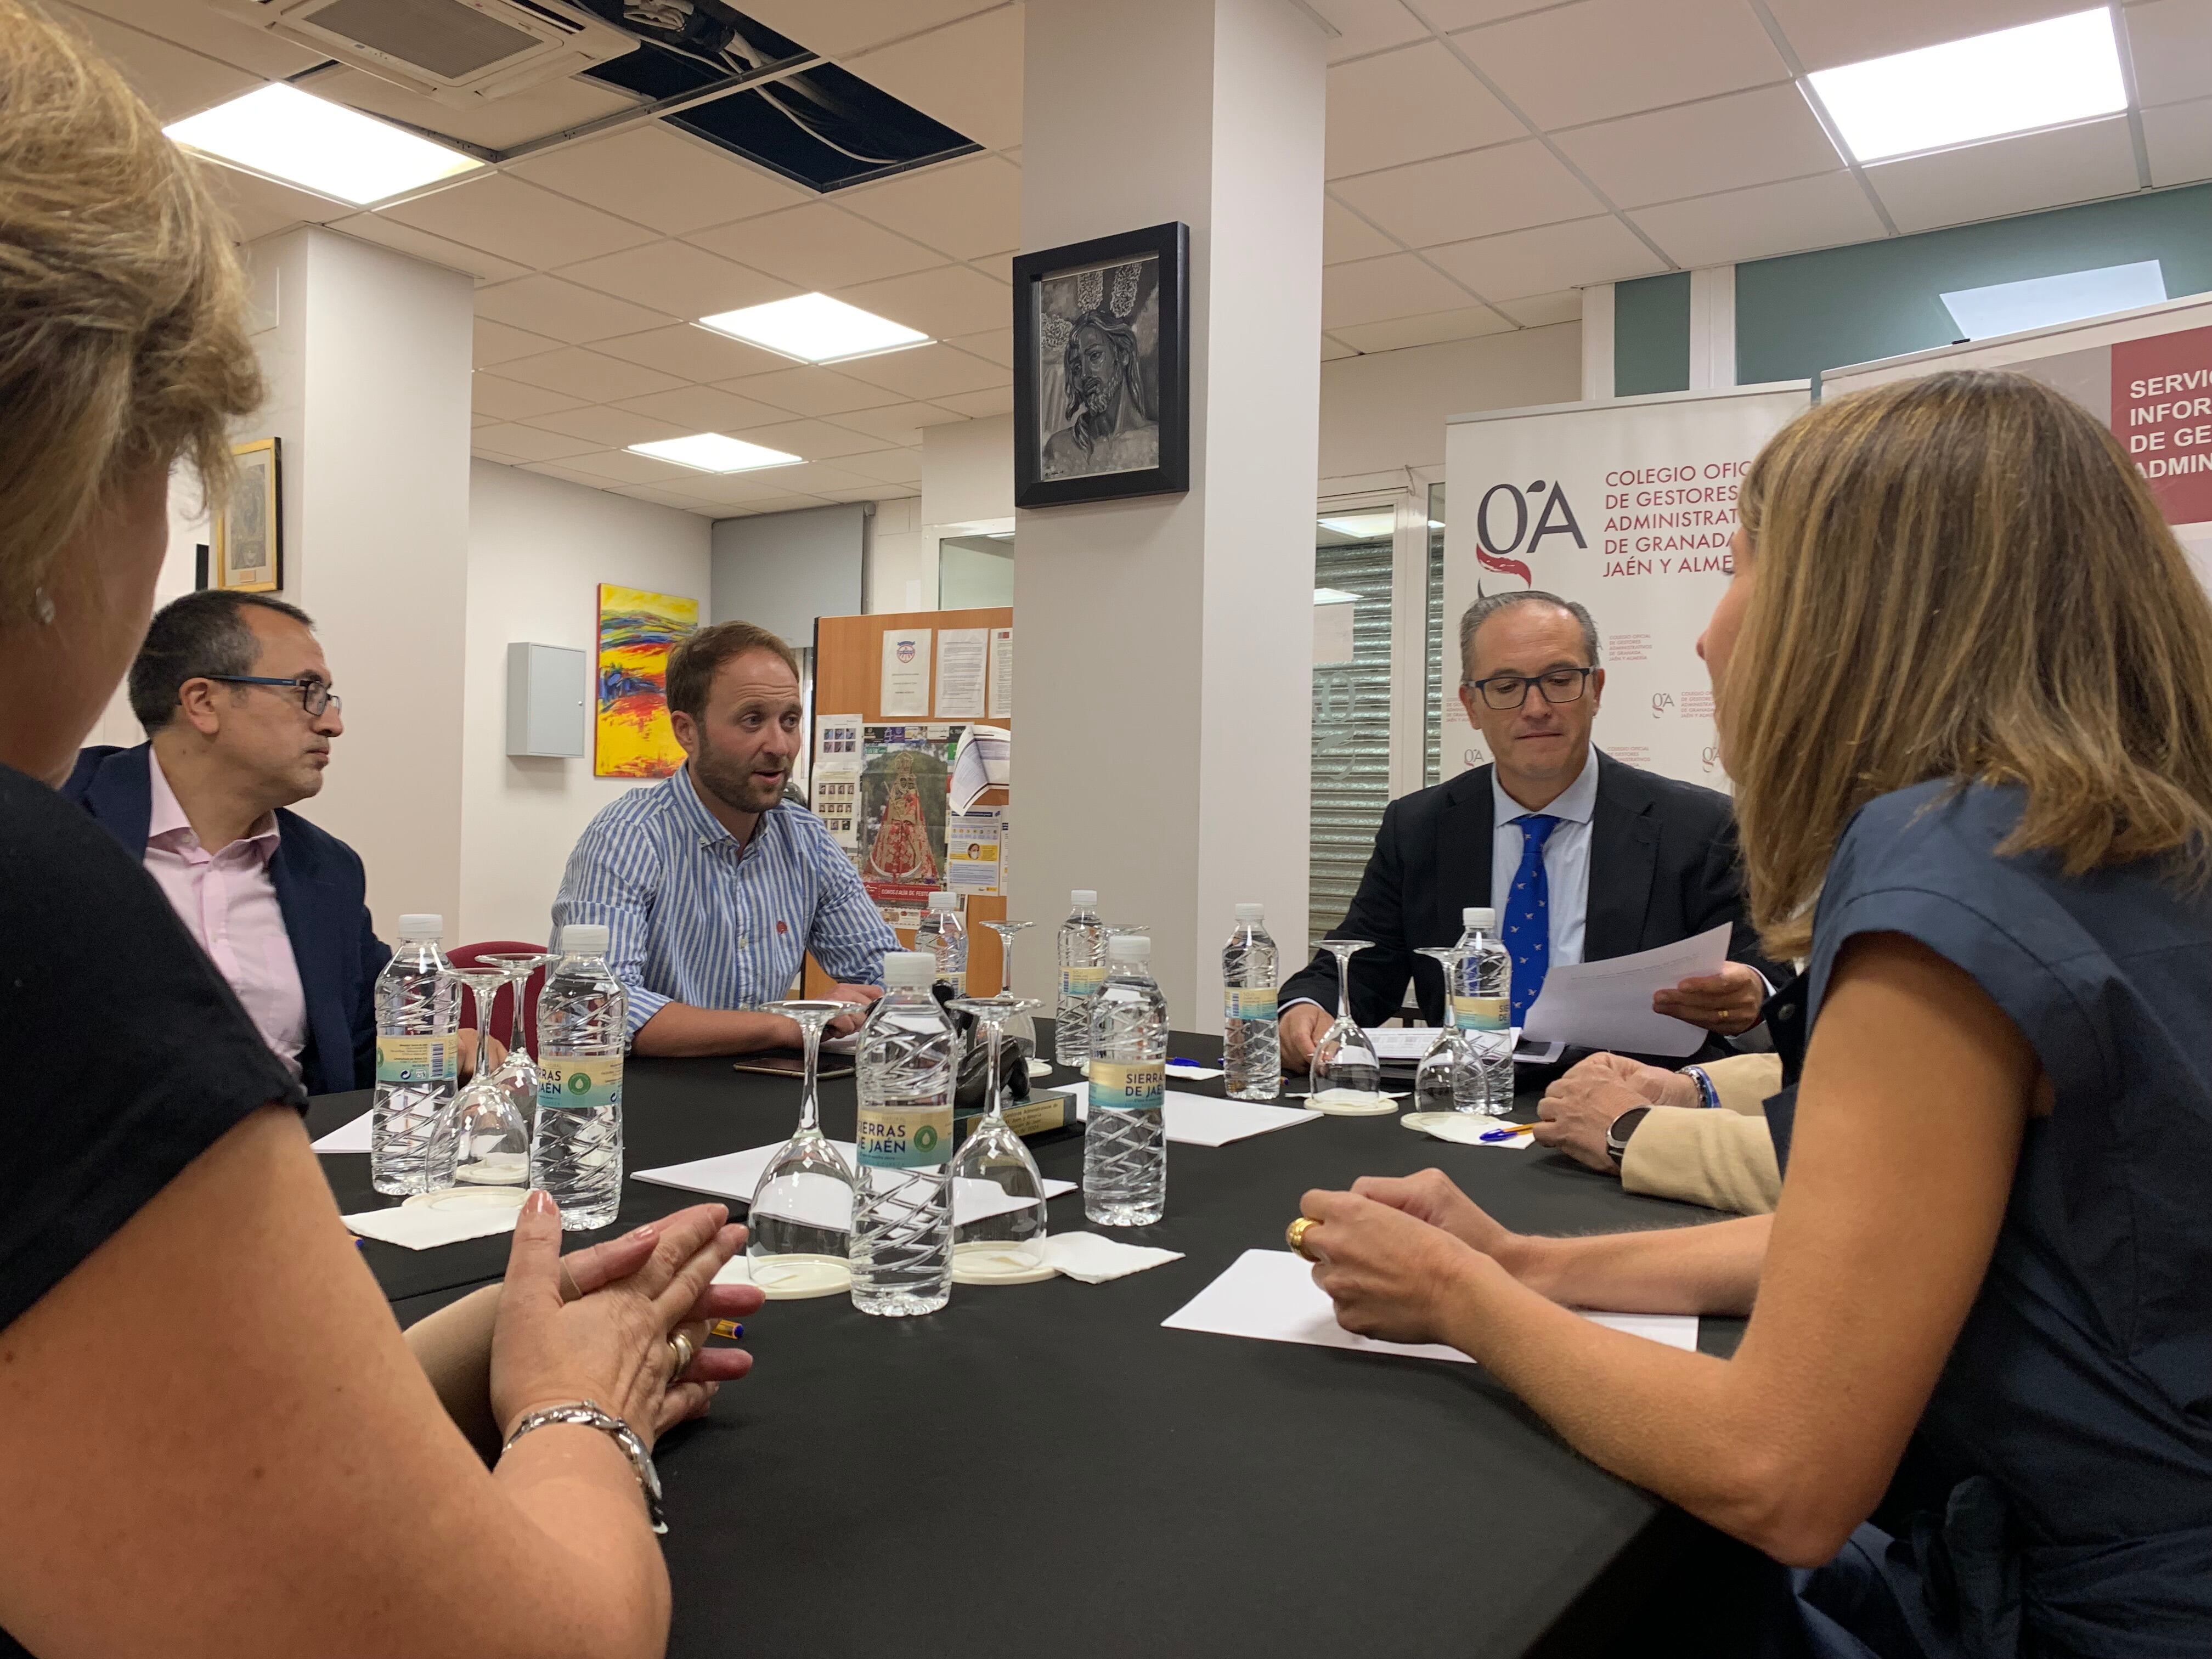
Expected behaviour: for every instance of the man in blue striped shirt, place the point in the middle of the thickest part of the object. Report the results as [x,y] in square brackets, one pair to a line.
[712,889]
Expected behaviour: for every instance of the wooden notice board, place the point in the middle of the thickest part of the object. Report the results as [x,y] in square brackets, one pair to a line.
[849,655]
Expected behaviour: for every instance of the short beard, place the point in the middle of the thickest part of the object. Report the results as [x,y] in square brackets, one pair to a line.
[731,783]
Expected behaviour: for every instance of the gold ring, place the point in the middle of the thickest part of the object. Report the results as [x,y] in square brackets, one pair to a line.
[680,1350]
[1295,1235]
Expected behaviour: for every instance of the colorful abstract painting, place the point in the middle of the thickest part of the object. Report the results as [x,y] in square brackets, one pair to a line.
[637,630]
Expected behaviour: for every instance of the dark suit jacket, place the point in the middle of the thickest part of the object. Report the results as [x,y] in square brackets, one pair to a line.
[1662,867]
[321,889]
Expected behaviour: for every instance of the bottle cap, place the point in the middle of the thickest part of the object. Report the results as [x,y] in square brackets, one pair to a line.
[424,927]
[908,970]
[583,939]
[945,900]
[1129,947]
[1481,918]
[1251,912]
[1083,898]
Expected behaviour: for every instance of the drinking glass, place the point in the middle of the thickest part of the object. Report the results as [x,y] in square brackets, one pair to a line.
[799,1226]
[486,1139]
[1345,1063]
[993,1172]
[1433,1083]
[518,1072]
[1019,1025]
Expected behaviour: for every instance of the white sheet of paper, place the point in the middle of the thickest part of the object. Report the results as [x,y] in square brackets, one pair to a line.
[346,1138]
[1201,1121]
[963,654]
[904,693]
[1405,1044]
[1271,1295]
[1002,674]
[1192,1073]
[1607,1005]
[734,1176]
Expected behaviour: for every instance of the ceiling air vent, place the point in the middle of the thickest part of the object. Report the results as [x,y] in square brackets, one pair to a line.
[457,52]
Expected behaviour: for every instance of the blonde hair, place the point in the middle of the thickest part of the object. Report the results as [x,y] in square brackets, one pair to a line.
[122,338]
[1963,577]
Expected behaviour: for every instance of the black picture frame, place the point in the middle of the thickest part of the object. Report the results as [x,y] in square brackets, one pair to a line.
[1047,286]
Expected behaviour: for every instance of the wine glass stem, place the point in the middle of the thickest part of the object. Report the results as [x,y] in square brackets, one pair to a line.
[811,1032]
[988,1030]
[1006,965]
[518,1038]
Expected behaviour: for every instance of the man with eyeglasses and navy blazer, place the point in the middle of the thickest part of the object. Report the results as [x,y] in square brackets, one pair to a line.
[1583,856]
[235,697]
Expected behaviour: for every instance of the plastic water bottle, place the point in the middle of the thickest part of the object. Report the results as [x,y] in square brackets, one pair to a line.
[583,1025]
[1251,1050]
[909,1067]
[1082,971]
[1125,1144]
[945,937]
[418,1015]
[1482,1006]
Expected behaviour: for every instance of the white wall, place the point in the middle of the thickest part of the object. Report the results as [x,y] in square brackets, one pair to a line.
[538,548]
[1385,412]
[188,528]
[899,568]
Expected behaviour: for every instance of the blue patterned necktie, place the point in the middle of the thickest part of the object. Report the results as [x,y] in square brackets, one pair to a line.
[1528,913]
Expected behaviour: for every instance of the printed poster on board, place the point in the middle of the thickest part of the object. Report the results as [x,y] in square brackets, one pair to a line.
[905,782]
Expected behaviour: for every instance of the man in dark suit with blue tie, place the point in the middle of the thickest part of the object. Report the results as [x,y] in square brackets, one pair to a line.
[235,697]
[1583,857]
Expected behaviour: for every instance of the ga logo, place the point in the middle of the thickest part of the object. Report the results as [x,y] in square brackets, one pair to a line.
[1554,517]
[1661,702]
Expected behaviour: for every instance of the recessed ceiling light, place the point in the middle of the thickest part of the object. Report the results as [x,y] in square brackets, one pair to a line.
[815,329]
[2044,301]
[283,133]
[1990,85]
[710,452]
[1362,527]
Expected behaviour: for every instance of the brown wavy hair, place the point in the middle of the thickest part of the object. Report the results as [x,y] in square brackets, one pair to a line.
[1963,576]
[122,336]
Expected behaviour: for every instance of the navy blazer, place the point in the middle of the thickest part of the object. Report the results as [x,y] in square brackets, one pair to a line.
[1662,868]
[321,889]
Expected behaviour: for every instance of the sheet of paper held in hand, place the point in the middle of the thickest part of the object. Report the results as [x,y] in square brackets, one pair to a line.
[1607,1005]
[1271,1295]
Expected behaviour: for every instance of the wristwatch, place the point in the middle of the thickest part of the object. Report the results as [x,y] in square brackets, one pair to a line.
[1617,1132]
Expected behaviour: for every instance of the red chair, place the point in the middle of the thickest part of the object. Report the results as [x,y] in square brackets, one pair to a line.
[502,1005]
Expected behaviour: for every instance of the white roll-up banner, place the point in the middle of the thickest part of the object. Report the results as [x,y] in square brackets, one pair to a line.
[1627,506]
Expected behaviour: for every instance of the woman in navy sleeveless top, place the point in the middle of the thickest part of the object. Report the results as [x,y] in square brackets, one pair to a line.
[1964,676]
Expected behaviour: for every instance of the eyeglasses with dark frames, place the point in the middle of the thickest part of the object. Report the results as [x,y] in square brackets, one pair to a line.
[314,696]
[1511,690]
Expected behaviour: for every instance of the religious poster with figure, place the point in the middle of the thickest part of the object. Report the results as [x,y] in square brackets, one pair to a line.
[906,774]
[637,630]
[1102,384]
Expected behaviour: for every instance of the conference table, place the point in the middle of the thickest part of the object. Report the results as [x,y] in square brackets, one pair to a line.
[1044,1470]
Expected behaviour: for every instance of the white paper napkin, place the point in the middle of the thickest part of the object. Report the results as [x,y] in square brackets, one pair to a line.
[347,1138]
[415,1228]
[1094,1260]
[1191,1074]
[1467,1129]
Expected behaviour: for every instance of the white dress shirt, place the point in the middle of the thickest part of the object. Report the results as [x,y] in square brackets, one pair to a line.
[1566,856]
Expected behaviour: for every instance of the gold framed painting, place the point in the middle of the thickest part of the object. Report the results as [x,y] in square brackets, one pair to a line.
[249,533]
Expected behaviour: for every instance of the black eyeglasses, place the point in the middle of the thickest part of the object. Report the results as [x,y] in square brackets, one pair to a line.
[1511,690]
[314,696]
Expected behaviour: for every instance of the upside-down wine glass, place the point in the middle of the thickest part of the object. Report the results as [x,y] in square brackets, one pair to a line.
[1345,1063]
[487,1139]
[1436,1086]
[1019,1025]
[993,1177]
[517,1074]
[799,1226]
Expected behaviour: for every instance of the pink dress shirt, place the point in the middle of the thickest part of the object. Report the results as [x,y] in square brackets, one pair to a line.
[228,904]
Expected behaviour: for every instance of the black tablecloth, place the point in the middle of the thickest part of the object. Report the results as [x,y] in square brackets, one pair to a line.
[1043,1469]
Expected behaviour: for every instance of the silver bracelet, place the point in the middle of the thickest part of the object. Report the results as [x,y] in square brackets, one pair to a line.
[591,1414]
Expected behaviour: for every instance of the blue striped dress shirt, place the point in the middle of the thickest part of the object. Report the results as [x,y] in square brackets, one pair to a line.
[693,916]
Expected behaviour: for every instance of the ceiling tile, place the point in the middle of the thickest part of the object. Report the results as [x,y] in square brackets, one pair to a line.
[546,305]
[1449,14]
[619,465]
[898,423]
[387,233]
[603,424]
[813,390]
[2179,139]
[703,409]
[963,208]
[518,221]
[527,443]
[511,400]
[677,278]
[1694,150]
[1598,58]
[496,343]
[855,24]
[589,374]
[567,472]
[2171,43]
[267,57]
[2011,175]
[1396,285]
[1365,26]
[1549,258]
[762,484]
[816,478]
[775,504]
[1484,193]
[1000,267]
[1763,220]
[1332,348]
[981,405]
[1345,235]
[691,352]
[996,345]
[174,80]
[1541,310]
[1825,34]
[930,371]
[659,497]
[476,419]
[818,440]
[887,465]
[948,301]
[260,207]
[816,247]
[658,177]
[1432,330]
[967,75]
[1406,105]
[498,122]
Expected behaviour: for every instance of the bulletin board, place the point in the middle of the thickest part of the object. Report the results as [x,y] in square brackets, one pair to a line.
[849,663]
